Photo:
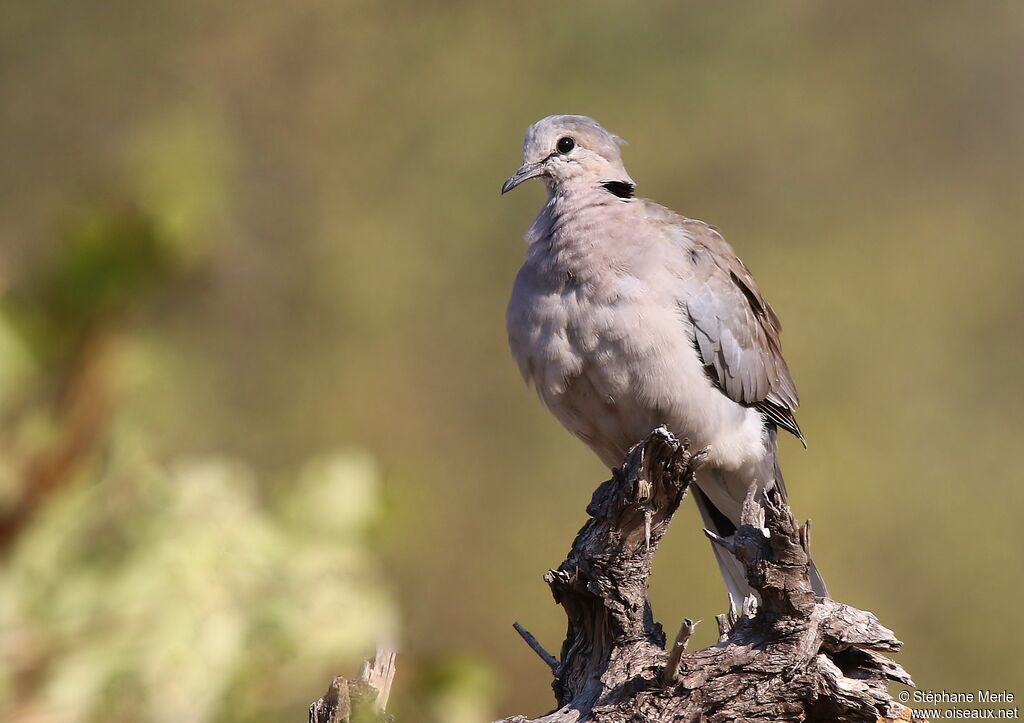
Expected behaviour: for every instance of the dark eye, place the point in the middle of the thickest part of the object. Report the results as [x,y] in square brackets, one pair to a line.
[565,144]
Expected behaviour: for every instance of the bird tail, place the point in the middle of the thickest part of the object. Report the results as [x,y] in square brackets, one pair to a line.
[817,581]
[719,496]
[732,570]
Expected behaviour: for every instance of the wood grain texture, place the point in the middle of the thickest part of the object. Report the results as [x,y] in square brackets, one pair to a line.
[790,657]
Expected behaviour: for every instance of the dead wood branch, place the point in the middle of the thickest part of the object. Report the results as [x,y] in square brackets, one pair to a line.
[358,701]
[789,657]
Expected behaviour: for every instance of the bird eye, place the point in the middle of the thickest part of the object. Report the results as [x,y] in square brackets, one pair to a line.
[565,144]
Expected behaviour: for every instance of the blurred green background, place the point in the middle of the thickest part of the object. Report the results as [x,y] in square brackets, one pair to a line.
[256,406]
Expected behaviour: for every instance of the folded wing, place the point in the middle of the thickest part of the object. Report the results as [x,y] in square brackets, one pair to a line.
[737,332]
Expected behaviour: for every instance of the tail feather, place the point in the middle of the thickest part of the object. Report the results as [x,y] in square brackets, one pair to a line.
[817,581]
[719,497]
[732,571]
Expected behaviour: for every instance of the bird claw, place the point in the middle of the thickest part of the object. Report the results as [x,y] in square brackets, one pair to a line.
[725,542]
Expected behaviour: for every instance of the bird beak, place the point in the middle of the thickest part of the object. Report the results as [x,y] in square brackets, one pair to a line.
[525,173]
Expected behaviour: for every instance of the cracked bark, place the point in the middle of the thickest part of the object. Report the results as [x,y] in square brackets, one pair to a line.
[793,657]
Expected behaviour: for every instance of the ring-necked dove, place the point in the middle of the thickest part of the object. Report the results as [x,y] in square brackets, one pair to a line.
[626,315]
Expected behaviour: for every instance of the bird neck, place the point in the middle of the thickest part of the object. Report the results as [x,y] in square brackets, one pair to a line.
[569,198]
[577,231]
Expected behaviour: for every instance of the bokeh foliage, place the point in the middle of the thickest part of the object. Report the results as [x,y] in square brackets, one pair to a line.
[328,262]
[140,589]
[175,595]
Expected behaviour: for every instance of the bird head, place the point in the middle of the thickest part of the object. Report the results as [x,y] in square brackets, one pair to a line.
[572,151]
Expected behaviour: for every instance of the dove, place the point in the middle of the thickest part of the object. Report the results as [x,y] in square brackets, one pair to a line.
[626,315]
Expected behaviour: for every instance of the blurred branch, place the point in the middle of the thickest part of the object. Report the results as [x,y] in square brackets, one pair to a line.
[359,701]
[790,657]
[83,411]
[110,260]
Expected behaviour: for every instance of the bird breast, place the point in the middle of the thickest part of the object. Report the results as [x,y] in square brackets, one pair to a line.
[607,344]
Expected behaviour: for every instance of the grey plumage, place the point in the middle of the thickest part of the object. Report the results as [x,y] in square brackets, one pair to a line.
[626,315]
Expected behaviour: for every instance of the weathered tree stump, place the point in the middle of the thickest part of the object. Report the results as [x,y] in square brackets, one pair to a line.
[789,657]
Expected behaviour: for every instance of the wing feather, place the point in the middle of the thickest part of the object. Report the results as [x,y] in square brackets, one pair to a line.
[736,332]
